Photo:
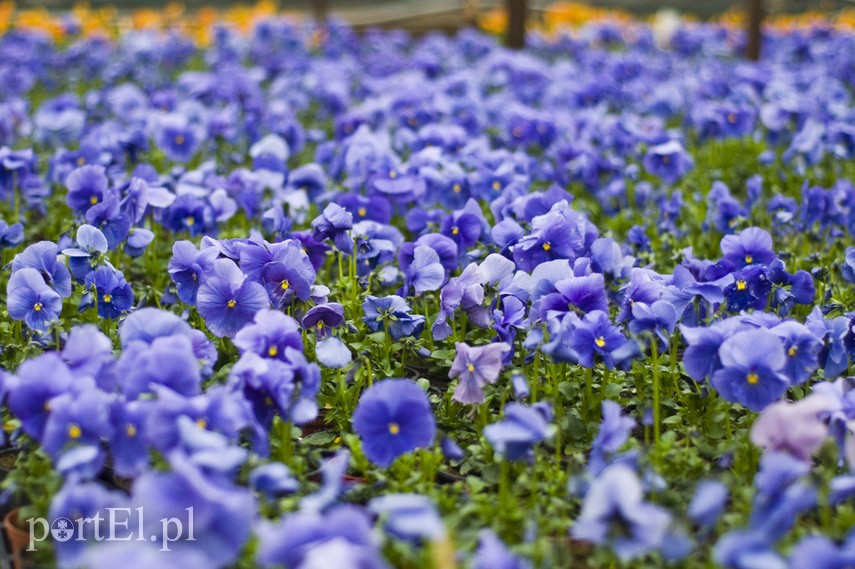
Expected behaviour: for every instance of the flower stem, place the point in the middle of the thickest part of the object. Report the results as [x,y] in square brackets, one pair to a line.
[675,373]
[535,377]
[559,410]
[504,482]
[606,375]
[354,275]
[589,390]
[286,448]
[654,347]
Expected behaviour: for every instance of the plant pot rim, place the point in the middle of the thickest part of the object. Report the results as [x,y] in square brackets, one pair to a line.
[10,525]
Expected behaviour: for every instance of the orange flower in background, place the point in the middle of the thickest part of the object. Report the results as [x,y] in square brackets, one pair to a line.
[95,22]
[6,10]
[40,19]
[206,19]
[144,19]
[846,18]
[575,14]
[199,23]
[494,21]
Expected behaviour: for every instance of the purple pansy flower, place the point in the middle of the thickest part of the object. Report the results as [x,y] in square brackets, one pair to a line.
[476,367]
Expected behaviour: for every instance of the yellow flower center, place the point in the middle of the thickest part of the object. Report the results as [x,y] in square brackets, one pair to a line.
[393,174]
[454,231]
[190,220]
[285,285]
[731,118]
[547,246]
[37,307]
[497,185]
[792,351]
[471,368]
[201,423]
[600,341]
[74,431]
[394,428]
[362,211]
[752,378]
[81,160]
[320,324]
[232,303]
[179,139]
[107,298]
[457,188]
[740,284]
[272,351]
[749,259]
[131,430]
[93,200]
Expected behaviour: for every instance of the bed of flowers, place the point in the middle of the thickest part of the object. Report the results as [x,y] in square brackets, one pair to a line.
[329,300]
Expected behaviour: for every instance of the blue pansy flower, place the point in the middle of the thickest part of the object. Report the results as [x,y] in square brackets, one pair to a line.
[340,537]
[392,314]
[30,299]
[668,160]
[802,349]
[10,235]
[91,245]
[493,554]
[613,434]
[189,267]
[614,513]
[108,290]
[393,417]
[334,223]
[752,246]
[138,239]
[227,300]
[847,268]
[87,187]
[752,369]
[43,257]
[270,335]
[514,436]
[273,480]
[408,516]
[708,503]
[30,390]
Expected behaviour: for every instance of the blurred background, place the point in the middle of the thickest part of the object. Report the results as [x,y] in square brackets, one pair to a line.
[418,13]
[509,19]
